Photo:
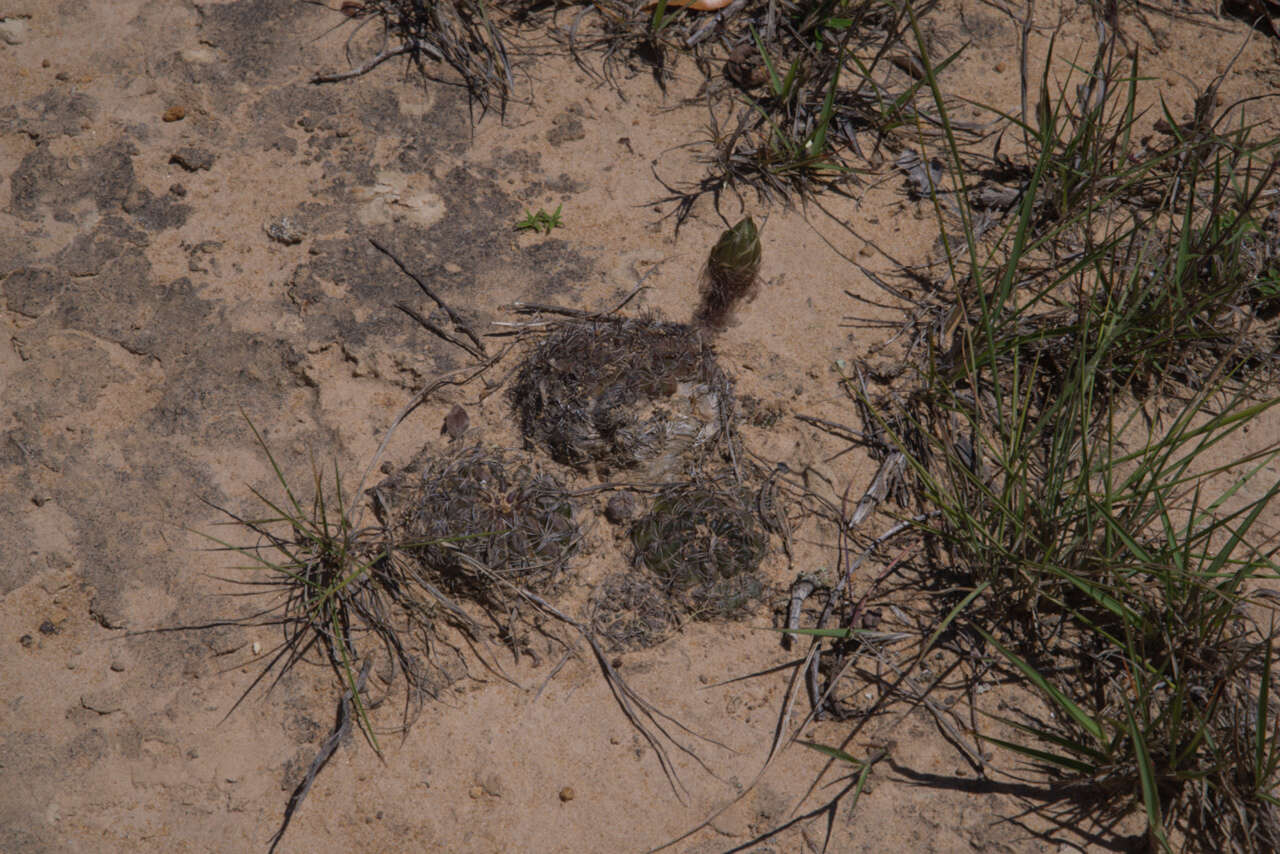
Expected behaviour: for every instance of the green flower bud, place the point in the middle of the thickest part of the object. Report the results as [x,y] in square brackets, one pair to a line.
[731,275]
[736,255]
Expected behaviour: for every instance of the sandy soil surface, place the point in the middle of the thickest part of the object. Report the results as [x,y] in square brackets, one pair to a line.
[146,148]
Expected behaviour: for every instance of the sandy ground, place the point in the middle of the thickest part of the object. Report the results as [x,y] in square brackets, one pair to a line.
[145,307]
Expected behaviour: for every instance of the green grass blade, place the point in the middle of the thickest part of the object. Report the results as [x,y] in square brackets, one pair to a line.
[1056,759]
[951,615]
[1147,777]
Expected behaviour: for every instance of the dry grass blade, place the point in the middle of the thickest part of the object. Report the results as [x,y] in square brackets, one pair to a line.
[341,728]
[476,348]
[461,33]
[648,720]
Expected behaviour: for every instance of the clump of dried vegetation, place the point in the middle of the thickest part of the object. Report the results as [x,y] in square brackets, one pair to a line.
[476,523]
[799,93]
[630,611]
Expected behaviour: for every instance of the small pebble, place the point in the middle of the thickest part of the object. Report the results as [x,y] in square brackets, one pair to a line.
[1000,68]
[285,231]
[13,30]
[192,159]
[178,190]
[620,509]
[26,641]
[567,794]
[456,422]
[477,792]
[176,113]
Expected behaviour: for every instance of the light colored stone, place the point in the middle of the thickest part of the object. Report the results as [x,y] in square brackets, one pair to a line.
[14,30]
[199,55]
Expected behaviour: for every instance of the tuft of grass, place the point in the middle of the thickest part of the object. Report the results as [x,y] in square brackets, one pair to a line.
[817,88]
[319,573]
[470,36]
[1065,429]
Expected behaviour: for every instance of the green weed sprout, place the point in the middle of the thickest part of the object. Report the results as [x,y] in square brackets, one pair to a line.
[541,221]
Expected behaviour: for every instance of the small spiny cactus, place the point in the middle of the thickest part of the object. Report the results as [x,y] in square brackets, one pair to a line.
[732,274]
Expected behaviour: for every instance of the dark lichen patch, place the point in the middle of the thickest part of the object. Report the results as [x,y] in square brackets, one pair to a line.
[116,304]
[59,111]
[193,158]
[43,179]
[296,109]
[559,267]
[567,127]
[256,36]
[38,179]
[108,175]
[523,162]
[310,218]
[89,253]
[71,373]
[155,213]
[467,236]
[112,503]
[332,312]
[342,127]
[31,290]
[346,292]
[623,394]
[214,376]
